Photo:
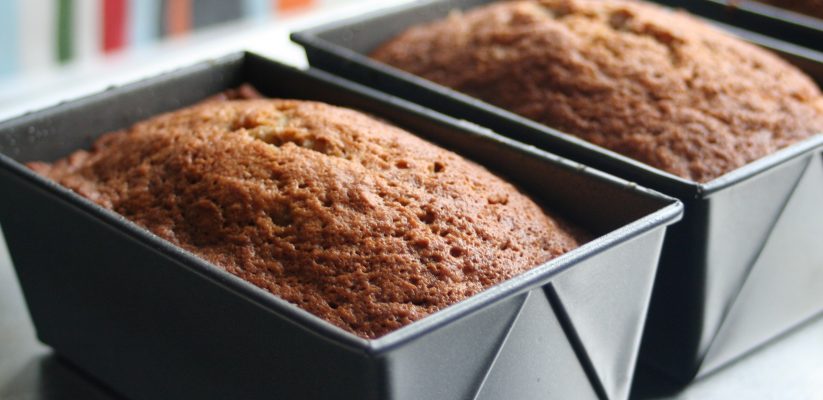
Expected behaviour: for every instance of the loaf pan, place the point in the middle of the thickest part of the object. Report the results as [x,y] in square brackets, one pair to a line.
[154,322]
[744,265]
[763,18]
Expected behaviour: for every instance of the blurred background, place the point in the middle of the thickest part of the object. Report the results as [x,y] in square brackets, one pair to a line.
[54,50]
[41,35]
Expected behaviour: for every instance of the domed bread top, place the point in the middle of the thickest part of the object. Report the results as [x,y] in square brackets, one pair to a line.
[354,220]
[656,85]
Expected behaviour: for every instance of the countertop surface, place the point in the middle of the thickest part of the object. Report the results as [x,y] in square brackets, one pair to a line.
[788,368]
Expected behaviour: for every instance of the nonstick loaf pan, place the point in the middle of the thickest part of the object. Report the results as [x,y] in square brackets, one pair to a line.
[744,266]
[153,321]
[763,18]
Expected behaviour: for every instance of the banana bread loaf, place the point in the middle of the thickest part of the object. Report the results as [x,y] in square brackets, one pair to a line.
[656,85]
[352,219]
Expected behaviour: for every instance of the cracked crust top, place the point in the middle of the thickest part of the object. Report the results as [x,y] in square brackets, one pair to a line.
[352,219]
[659,86]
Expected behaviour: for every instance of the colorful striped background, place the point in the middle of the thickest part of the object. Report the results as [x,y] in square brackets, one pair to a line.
[37,34]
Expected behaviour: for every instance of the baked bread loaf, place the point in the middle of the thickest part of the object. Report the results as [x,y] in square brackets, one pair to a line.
[812,8]
[656,85]
[352,219]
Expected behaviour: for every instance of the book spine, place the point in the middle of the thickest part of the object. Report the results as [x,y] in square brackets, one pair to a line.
[9,38]
[145,22]
[37,30]
[114,25]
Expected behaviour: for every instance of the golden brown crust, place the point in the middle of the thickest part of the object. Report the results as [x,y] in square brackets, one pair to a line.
[655,85]
[356,221]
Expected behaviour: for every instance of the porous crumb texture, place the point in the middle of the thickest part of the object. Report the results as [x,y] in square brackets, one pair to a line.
[352,219]
[656,85]
[812,8]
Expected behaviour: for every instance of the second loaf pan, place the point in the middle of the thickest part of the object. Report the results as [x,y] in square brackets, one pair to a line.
[759,17]
[155,322]
[745,264]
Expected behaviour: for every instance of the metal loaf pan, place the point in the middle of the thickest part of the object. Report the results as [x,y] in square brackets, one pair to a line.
[763,18]
[744,266]
[155,322]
